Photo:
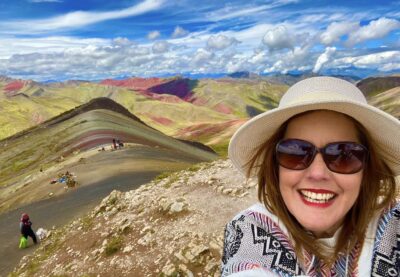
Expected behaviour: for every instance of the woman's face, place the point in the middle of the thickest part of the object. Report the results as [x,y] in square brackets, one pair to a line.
[317,181]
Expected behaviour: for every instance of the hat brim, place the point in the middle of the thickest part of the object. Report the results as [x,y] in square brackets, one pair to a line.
[383,128]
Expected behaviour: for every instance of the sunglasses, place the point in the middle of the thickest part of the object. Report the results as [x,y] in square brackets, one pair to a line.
[340,157]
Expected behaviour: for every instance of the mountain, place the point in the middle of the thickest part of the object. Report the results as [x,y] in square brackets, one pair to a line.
[171,105]
[375,85]
[174,105]
[47,146]
[292,78]
[388,100]
[179,87]
[243,74]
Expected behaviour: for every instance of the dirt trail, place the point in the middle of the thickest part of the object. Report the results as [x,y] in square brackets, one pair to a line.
[98,174]
[59,211]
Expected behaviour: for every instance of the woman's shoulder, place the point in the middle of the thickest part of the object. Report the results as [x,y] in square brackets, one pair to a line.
[256,212]
[386,247]
[259,216]
[254,238]
[390,213]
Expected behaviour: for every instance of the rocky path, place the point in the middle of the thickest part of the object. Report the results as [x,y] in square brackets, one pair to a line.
[57,212]
[169,227]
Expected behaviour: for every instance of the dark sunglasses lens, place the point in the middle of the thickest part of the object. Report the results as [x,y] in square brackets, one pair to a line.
[345,158]
[294,154]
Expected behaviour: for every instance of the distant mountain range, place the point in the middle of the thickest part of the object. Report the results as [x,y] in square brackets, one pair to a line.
[90,126]
[203,110]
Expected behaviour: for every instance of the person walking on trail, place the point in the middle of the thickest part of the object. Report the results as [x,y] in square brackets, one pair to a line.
[25,227]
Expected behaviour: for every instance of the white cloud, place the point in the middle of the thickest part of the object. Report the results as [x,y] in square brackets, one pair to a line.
[220,42]
[374,30]
[337,29]
[160,47]
[382,61]
[122,41]
[230,11]
[324,58]
[153,35]
[300,58]
[11,46]
[202,56]
[179,32]
[278,38]
[390,67]
[76,19]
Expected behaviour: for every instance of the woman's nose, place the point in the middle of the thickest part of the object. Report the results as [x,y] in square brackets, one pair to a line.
[318,169]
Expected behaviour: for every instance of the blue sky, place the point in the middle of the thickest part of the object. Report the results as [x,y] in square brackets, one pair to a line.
[96,39]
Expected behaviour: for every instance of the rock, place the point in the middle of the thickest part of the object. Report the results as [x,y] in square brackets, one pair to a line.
[42,233]
[181,258]
[168,269]
[146,240]
[176,207]
[220,189]
[185,270]
[127,249]
[227,191]
[215,246]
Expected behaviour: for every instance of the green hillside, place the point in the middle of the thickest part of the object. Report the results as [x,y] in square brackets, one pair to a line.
[213,102]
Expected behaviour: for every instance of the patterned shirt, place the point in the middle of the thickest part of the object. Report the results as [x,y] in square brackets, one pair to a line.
[257,244]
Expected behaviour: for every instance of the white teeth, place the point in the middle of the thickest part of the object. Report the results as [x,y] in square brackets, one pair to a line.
[317,197]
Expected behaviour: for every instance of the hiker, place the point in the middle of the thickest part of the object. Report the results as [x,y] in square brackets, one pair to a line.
[114,144]
[325,162]
[120,143]
[25,227]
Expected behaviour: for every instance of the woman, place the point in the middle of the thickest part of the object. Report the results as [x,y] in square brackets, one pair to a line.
[326,163]
[25,226]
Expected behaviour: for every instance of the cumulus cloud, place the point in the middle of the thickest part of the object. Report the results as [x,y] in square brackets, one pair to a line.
[122,41]
[324,58]
[83,62]
[297,59]
[220,42]
[278,38]
[179,32]
[202,56]
[337,29]
[374,30]
[382,61]
[153,35]
[160,47]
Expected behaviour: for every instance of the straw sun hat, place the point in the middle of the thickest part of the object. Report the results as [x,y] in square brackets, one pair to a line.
[317,93]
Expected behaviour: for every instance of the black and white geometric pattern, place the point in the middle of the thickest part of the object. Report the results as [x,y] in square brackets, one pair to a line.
[254,241]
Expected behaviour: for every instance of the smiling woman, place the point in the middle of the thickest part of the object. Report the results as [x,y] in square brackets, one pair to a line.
[326,163]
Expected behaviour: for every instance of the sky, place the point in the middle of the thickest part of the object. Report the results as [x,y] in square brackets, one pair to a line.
[97,39]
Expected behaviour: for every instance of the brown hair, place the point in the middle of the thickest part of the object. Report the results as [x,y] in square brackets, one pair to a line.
[378,190]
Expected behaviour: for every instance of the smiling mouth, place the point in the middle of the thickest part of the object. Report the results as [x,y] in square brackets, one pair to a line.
[318,198]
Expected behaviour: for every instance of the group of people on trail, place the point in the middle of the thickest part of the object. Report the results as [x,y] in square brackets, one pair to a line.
[25,227]
[117,144]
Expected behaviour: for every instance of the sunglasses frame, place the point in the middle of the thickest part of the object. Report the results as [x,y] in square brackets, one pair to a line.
[322,151]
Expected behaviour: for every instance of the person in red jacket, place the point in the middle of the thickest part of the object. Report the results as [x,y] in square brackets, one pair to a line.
[25,227]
